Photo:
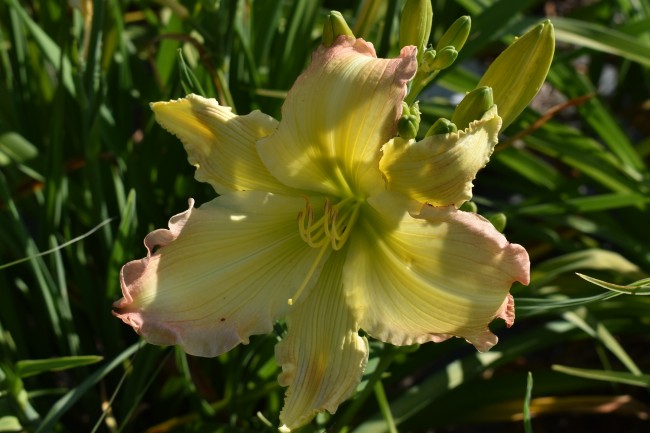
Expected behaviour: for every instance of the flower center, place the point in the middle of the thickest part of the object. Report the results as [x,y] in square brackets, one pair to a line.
[333,227]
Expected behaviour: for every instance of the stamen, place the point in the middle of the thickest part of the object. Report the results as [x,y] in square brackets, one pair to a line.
[315,234]
[333,228]
[310,273]
[342,222]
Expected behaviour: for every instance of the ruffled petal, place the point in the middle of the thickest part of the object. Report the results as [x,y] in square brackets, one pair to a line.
[221,273]
[440,168]
[430,276]
[322,357]
[220,144]
[336,117]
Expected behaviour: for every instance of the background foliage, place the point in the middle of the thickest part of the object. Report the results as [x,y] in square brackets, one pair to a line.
[79,151]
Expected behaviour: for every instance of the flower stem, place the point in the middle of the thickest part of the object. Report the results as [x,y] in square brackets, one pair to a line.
[380,394]
[419,82]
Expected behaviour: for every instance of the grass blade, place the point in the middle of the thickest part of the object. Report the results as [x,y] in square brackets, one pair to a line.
[65,403]
[609,376]
[528,426]
[598,37]
[641,287]
[32,367]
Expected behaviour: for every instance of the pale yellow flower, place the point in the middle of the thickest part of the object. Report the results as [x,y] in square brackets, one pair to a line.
[328,221]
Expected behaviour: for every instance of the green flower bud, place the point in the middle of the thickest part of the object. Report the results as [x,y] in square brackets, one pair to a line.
[499,221]
[456,35]
[409,122]
[472,107]
[415,24]
[469,206]
[519,72]
[441,126]
[427,62]
[444,58]
[334,27]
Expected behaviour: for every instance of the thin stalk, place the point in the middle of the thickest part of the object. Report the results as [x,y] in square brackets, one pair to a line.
[384,406]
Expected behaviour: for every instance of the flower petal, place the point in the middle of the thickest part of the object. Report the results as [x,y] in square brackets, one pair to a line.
[440,168]
[322,357]
[430,276]
[219,143]
[221,273]
[338,114]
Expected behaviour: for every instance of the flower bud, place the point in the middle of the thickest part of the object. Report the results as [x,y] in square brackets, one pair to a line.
[469,206]
[415,24]
[334,27]
[472,107]
[444,58]
[519,72]
[456,34]
[427,62]
[499,221]
[409,122]
[441,126]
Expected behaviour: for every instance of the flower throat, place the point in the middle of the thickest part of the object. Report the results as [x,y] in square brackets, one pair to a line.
[332,228]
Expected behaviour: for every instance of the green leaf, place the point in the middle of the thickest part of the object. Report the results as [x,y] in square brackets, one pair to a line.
[601,38]
[10,424]
[49,48]
[15,148]
[188,80]
[598,116]
[530,166]
[642,380]
[528,427]
[32,367]
[64,404]
[641,287]
[120,251]
[596,329]
[593,258]
[596,203]
[492,21]
[532,306]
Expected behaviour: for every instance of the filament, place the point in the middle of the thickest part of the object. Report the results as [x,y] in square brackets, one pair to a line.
[310,273]
[332,228]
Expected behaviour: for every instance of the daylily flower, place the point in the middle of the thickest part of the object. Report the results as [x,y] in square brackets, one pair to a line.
[328,221]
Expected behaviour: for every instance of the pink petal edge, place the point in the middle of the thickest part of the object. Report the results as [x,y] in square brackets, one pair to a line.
[133,270]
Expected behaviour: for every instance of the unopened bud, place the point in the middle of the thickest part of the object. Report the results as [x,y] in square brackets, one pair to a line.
[428,59]
[519,72]
[441,126]
[469,206]
[334,27]
[499,221]
[409,122]
[415,24]
[456,35]
[472,107]
[444,58]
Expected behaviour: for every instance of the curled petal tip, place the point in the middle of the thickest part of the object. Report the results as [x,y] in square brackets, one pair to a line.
[507,311]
